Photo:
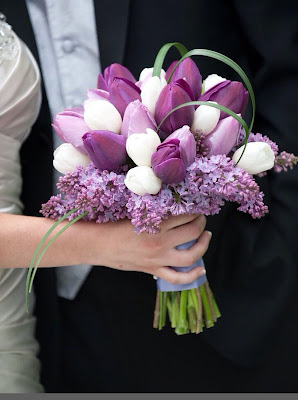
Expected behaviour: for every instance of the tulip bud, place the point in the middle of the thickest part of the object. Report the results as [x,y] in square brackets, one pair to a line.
[98,94]
[151,91]
[141,146]
[232,95]
[142,180]
[188,71]
[101,83]
[146,74]
[101,115]
[211,81]
[187,143]
[205,119]
[172,96]
[169,161]
[123,92]
[258,157]
[223,138]
[137,118]
[67,158]
[117,71]
[106,149]
[70,127]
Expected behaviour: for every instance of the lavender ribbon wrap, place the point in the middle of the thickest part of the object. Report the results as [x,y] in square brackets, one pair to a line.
[165,286]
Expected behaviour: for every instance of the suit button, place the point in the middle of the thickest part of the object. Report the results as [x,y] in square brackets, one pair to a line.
[68,45]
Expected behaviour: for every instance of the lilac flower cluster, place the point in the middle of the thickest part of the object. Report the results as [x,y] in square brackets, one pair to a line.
[209,182]
[102,194]
[285,161]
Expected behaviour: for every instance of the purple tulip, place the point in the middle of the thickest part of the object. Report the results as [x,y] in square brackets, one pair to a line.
[70,127]
[101,83]
[137,118]
[232,95]
[223,138]
[171,96]
[123,92]
[189,71]
[117,71]
[98,94]
[187,142]
[106,149]
[169,162]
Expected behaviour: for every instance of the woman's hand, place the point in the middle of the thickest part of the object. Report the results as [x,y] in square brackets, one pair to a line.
[118,246]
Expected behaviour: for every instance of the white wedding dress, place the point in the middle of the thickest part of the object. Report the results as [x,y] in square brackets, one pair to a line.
[19,105]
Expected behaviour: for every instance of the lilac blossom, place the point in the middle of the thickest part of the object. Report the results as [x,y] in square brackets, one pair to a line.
[208,184]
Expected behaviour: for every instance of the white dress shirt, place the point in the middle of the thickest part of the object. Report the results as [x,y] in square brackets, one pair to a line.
[66,38]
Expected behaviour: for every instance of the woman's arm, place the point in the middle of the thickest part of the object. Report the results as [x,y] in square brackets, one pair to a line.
[113,244]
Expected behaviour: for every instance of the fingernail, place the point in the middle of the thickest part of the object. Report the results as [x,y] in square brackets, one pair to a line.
[210,234]
[154,277]
[203,271]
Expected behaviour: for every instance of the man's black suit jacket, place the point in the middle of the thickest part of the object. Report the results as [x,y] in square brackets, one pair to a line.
[251,265]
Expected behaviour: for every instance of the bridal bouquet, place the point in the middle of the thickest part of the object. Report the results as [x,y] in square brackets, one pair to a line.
[167,144]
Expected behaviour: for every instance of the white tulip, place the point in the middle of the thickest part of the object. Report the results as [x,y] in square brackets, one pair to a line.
[211,81]
[67,158]
[147,73]
[141,146]
[151,90]
[102,115]
[258,157]
[142,180]
[205,119]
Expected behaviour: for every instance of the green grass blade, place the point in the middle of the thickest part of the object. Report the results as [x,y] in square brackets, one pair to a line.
[161,55]
[207,103]
[39,247]
[49,244]
[235,67]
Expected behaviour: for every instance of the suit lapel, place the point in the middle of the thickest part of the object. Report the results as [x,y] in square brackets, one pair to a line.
[112,30]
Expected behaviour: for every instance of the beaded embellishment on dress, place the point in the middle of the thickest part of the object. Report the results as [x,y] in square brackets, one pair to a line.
[8,45]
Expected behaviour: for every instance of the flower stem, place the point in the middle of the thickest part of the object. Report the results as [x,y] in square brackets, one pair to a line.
[160,311]
[209,297]
[156,311]
[199,319]
[192,316]
[188,310]
[206,307]
[182,327]
[175,310]
[216,309]
[195,301]
[164,308]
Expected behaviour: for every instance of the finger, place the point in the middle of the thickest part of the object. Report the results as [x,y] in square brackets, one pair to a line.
[187,232]
[185,258]
[172,276]
[178,220]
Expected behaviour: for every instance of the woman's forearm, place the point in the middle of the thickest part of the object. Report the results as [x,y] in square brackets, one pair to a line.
[112,244]
[20,235]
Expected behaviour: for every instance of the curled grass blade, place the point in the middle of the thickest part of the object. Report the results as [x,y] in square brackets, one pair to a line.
[232,64]
[240,72]
[49,244]
[208,103]
[39,247]
[161,55]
